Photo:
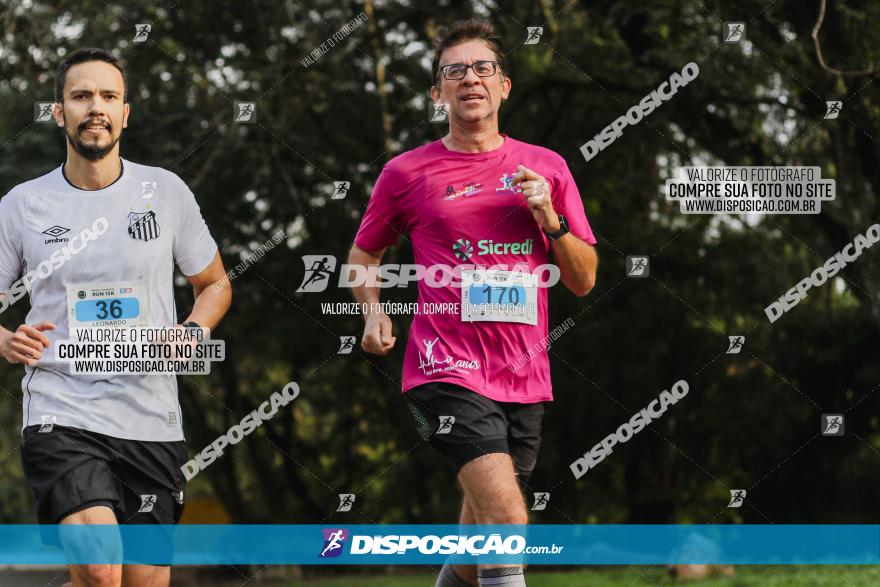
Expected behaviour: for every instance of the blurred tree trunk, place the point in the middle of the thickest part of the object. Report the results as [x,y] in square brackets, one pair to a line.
[379,68]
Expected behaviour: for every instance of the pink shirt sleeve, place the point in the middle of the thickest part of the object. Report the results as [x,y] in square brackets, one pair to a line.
[567,201]
[384,221]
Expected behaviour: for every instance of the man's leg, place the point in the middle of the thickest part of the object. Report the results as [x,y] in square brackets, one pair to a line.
[478,447]
[459,575]
[98,492]
[467,572]
[97,575]
[493,496]
[145,576]
[152,471]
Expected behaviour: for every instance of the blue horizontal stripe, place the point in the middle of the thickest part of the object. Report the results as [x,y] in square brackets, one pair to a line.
[577,544]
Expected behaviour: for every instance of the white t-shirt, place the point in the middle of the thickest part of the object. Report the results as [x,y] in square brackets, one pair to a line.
[128,235]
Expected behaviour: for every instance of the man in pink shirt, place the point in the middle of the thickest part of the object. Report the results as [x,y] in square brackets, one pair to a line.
[491,209]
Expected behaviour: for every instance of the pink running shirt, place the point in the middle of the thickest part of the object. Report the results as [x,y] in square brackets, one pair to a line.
[452,204]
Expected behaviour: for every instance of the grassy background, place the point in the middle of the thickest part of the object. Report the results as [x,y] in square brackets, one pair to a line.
[764,576]
[746,576]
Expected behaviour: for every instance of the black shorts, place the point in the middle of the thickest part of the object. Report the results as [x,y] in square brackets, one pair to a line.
[481,425]
[70,469]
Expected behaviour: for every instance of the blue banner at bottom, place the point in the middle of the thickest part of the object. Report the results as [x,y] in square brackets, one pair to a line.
[775,544]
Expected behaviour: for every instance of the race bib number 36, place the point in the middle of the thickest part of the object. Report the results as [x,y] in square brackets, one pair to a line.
[106,304]
[491,295]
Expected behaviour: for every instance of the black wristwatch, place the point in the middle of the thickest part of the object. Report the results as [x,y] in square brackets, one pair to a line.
[191,324]
[563,230]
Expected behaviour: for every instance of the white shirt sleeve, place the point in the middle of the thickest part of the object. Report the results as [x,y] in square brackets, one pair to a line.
[11,247]
[194,247]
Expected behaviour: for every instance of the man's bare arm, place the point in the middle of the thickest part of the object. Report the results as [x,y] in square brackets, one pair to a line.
[213,295]
[577,262]
[25,346]
[378,338]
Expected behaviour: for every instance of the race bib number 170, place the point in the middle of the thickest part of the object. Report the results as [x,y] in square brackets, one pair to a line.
[491,295]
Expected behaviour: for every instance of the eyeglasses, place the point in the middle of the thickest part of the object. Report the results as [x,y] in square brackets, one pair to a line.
[456,71]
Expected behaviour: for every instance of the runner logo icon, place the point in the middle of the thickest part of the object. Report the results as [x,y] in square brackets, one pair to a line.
[43,111]
[141,32]
[439,112]
[334,538]
[446,423]
[833,109]
[832,424]
[346,345]
[148,189]
[534,35]
[319,268]
[542,498]
[47,423]
[147,503]
[737,497]
[346,501]
[736,344]
[733,31]
[637,266]
[340,190]
[245,112]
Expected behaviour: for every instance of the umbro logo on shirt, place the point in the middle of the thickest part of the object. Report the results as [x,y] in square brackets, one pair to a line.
[56,232]
[143,225]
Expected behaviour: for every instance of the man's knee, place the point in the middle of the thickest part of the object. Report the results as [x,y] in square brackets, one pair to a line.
[467,514]
[513,516]
[100,575]
[508,511]
[146,576]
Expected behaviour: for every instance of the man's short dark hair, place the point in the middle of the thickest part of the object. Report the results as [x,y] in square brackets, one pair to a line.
[85,55]
[475,29]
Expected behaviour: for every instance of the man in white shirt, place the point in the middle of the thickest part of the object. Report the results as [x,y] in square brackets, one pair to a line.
[94,243]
